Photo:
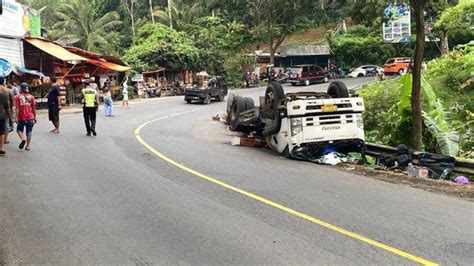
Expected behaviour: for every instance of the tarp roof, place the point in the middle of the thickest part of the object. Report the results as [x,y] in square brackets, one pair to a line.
[55,50]
[109,65]
[6,68]
[160,69]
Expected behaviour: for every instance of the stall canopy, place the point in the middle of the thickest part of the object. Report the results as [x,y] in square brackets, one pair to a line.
[55,50]
[160,69]
[109,65]
[6,68]
[103,61]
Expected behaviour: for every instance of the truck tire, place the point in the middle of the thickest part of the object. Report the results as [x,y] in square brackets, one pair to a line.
[249,103]
[274,94]
[188,101]
[230,101]
[338,89]
[221,97]
[238,107]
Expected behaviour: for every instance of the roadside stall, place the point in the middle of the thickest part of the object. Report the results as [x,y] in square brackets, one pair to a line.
[104,68]
[55,61]
[169,81]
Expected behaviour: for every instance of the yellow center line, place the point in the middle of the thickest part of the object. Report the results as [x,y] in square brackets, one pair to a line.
[276,205]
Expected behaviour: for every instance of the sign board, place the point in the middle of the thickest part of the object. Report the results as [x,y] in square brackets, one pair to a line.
[397,29]
[18,20]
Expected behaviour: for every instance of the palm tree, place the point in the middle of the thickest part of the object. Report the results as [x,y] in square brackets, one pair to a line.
[78,26]
[180,11]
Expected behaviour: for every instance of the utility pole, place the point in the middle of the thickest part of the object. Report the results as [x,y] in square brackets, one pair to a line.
[151,11]
[169,13]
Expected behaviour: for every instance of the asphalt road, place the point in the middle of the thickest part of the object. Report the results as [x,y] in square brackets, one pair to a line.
[111,200]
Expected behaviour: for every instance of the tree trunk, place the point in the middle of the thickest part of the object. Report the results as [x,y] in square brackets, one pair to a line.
[271,40]
[444,43]
[151,11]
[419,6]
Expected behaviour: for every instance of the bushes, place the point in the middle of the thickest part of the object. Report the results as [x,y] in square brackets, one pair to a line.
[448,110]
[359,47]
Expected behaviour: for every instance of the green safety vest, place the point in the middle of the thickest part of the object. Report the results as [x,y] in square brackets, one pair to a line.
[90,96]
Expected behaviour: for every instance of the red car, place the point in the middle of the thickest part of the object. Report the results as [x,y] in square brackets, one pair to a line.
[307,74]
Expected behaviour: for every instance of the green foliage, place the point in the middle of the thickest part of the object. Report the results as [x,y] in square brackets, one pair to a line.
[388,115]
[235,67]
[156,45]
[457,17]
[359,47]
[380,117]
[76,24]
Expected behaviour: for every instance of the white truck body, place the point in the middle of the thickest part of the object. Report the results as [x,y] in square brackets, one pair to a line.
[319,122]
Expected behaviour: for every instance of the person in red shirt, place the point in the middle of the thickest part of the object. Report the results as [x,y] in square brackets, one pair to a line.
[25,115]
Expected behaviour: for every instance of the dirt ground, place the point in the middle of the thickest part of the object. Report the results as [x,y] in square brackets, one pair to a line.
[217,131]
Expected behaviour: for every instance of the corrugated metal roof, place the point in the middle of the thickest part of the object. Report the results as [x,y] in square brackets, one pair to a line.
[11,49]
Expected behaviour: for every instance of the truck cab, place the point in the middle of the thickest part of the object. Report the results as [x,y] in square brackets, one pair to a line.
[304,125]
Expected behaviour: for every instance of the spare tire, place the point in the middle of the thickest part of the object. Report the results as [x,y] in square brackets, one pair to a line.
[274,94]
[238,107]
[249,103]
[338,89]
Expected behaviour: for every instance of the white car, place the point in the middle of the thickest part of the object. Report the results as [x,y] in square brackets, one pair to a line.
[365,71]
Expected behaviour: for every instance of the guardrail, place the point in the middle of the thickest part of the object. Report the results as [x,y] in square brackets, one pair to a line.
[462,166]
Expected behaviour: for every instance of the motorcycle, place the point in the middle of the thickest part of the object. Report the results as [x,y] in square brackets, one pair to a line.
[153,93]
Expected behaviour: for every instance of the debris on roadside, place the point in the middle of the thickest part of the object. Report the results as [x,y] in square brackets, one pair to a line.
[218,118]
[248,141]
[462,180]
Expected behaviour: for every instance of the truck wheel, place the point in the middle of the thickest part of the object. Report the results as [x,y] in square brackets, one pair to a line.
[230,102]
[306,82]
[274,94]
[338,89]
[326,79]
[238,107]
[249,103]
[401,71]
[188,101]
[221,97]
[293,83]
[207,100]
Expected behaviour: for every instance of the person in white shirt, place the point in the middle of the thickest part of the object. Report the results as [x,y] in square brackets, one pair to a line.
[125,93]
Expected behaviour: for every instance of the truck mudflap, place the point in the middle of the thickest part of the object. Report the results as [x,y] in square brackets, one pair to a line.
[314,150]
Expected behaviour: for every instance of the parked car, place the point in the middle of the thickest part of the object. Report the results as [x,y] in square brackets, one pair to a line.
[365,71]
[397,65]
[307,74]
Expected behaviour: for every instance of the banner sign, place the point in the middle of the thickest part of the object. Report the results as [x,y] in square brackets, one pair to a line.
[397,29]
[18,20]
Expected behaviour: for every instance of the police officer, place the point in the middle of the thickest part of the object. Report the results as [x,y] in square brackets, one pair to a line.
[90,101]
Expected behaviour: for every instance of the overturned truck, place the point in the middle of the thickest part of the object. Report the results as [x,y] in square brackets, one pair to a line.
[303,125]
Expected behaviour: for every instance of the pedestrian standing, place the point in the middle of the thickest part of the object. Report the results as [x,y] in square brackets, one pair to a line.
[25,106]
[108,102]
[5,116]
[54,104]
[125,93]
[8,122]
[90,101]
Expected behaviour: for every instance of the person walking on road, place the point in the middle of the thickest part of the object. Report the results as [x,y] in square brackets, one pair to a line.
[25,107]
[90,100]
[125,93]
[5,116]
[108,102]
[8,122]
[54,104]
